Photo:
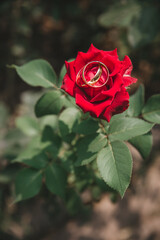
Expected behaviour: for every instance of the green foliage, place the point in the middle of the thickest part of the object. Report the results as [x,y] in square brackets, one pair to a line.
[35,158]
[68,120]
[36,153]
[136,103]
[140,19]
[63,146]
[48,135]
[73,203]
[143,144]
[35,30]
[127,128]
[151,110]
[50,103]
[115,166]
[145,27]
[87,127]
[27,125]
[88,147]
[56,179]
[120,14]
[37,73]
[50,120]
[28,183]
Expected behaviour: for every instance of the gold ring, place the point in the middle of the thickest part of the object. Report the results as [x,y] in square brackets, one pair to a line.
[96,77]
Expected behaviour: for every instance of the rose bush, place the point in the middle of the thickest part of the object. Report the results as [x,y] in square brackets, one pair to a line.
[98,80]
[66,140]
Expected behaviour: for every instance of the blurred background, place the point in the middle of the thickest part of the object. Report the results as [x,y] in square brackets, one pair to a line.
[56,30]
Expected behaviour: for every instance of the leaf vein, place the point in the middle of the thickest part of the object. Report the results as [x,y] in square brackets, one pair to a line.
[116,167]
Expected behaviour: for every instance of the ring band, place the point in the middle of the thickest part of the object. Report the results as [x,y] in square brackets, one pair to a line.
[97,76]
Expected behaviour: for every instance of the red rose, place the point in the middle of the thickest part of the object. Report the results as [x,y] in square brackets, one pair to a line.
[98,80]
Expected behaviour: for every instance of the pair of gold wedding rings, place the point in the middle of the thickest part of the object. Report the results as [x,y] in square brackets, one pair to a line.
[92,82]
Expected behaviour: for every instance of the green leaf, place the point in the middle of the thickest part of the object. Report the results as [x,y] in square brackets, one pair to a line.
[48,135]
[67,161]
[115,166]
[87,126]
[37,73]
[27,125]
[69,138]
[67,120]
[120,14]
[49,103]
[51,151]
[27,184]
[35,143]
[74,203]
[116,117]
[38,160]
[127,128]
[144,28]
[63,72]
[136,103]
[56,179]
[88,147]
[50,120]
[36,153]
[69,101]
[151,110]
[143,144]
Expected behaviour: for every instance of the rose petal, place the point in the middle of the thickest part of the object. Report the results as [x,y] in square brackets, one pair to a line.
[119,104]
[112,64]
[110,59]
[93,49]
[87,106]
[112,53]
[83,58]
[126,71]
[70,70]
[102,95]
[68,85]
[126,64]
[129,80]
